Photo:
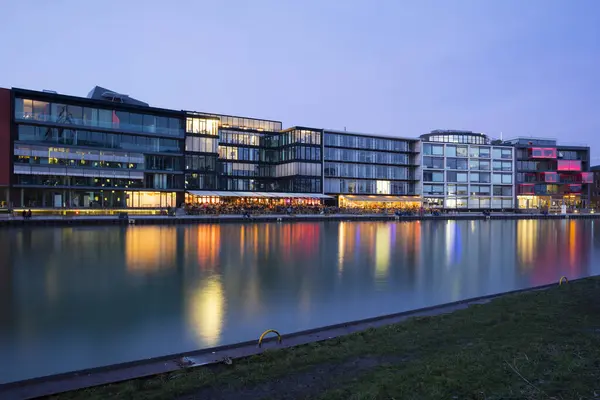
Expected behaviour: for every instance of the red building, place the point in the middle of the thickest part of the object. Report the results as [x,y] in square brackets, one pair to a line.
[551,175]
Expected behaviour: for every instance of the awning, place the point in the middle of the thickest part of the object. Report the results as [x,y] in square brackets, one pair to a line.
[382,199]
[207,193]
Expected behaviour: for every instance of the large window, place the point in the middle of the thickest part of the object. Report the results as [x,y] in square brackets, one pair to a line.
[460,177]
[433,162]
[481,177]
[480,190]
[456,163]
[164,163]
[501,153]
[363,142]
[457,190]
[429,189]
[201,144]
[200,163]
[479,165]
[502,190]
[502,165]
[298,168]
[67,114]
[432,176]
[202,126]
[502,178]
[457,151]
[238,153]
[433,149]
[64,136]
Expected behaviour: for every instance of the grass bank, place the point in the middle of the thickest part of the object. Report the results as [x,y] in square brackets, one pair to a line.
[534,345]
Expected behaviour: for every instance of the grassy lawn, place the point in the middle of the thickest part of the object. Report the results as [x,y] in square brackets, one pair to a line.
[536,345]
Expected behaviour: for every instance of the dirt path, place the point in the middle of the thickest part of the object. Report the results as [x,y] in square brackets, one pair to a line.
[298,385]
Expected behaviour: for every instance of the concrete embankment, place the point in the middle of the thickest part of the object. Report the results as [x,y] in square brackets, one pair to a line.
[6,221]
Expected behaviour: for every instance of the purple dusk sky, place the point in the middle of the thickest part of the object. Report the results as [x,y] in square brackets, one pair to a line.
[398,67]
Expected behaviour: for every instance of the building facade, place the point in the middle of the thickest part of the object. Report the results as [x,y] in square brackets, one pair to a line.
[366,170]
[111,151]
[595,189]
[549,175]
[251,157]
[463,170]
[104,151]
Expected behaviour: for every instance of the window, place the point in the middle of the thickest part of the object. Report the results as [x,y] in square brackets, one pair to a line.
[202,145]
[431,176]
[457,202]
[484,152]
[96,117]
[502,165]
[452,176]
[502,178]
[433,149]
[502,190]
[477,190]
[457,190]
[456,163]
[450,151]
[433,189]
[481,165]
[482,177]
[433,162]
[462,151]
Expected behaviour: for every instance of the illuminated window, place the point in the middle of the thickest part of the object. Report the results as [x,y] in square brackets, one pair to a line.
[383,187]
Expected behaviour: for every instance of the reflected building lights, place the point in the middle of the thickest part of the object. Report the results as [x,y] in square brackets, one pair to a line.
[450,238]
[208,244]
[572,244]
[382,250]
[527,236]
[150,248]
[341,246]
[206,310]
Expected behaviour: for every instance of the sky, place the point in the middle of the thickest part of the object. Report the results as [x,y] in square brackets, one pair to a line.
[399,67]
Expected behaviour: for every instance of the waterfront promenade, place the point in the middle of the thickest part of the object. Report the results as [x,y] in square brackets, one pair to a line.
[64,220]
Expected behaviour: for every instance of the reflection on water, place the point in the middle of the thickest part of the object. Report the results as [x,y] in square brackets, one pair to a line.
[73,298]
[205,311]
[149,248]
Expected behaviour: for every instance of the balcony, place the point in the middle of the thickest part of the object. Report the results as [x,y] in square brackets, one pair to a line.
[542,152]
[568,165]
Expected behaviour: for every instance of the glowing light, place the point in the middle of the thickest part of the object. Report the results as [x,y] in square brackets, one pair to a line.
[382,250]
[205,311]
[149,248]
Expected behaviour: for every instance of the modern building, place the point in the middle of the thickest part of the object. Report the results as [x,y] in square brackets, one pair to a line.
[251,158]
[549,175]
[111,151]
[595,189]
[104,151]
[371,171]
[464,170]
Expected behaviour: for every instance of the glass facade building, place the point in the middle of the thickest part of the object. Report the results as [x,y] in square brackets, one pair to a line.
[371,169]
[466,173]
[549,175]
[251,156]
[83,152]
[109,150]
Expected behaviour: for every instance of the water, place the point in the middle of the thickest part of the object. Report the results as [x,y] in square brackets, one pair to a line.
[73,298]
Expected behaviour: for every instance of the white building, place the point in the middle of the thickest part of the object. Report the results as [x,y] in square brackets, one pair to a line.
[463,170]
